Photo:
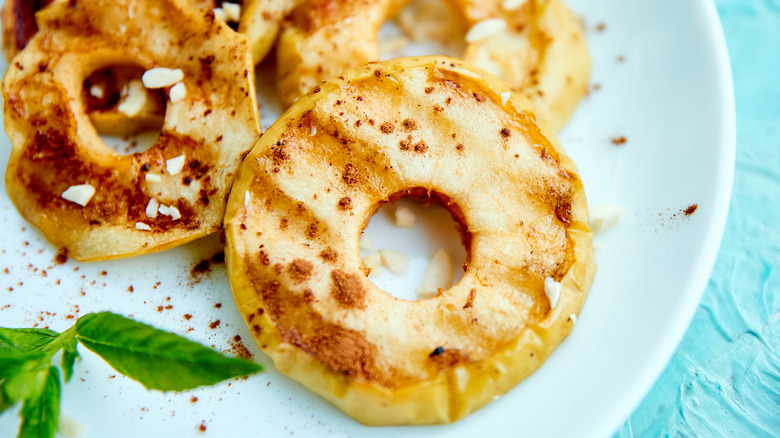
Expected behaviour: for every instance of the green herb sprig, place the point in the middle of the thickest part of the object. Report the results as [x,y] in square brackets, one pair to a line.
[155,358]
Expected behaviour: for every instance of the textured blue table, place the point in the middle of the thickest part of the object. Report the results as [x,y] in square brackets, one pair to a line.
[724,379]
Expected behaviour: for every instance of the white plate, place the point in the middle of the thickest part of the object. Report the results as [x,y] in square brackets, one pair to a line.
[670,96]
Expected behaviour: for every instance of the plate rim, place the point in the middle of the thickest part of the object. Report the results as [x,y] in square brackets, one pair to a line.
[680,321]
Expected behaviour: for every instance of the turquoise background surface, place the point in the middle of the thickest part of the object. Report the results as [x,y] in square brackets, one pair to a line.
[724,379]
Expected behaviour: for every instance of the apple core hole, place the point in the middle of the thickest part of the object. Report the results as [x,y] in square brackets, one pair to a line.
[399,247]
[127,116]
[423,27]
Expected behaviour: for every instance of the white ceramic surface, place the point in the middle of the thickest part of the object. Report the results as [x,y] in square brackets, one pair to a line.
[663,83]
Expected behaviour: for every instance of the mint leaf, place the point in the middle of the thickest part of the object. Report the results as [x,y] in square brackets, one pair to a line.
[157,359]
[28,379]
[22,340]
[41,412]
[69,355]
[19,346]
[12,362]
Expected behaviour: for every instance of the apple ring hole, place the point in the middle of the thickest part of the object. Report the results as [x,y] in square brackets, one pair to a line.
[126,115]
[423,27]
[400,254]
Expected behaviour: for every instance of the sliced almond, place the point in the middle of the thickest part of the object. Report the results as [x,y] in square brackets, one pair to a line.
[151,208]
[605,216]
[365,242]
[372,261]
[178,92]
[404,217]
[80,194]
[439,274]
[553,291]
[219,14]
[395,261]
[175,165]
[505,97]
[96,91]
[379,271]
[161,77]
[133,98]
[232,12]
[170,211]
[485,29]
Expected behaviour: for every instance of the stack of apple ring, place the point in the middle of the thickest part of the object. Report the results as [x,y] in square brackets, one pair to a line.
[475,135]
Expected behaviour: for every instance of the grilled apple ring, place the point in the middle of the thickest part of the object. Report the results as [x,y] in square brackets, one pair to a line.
[537,46]
[87,199]
[429,127]
[323,38]
[104,89]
